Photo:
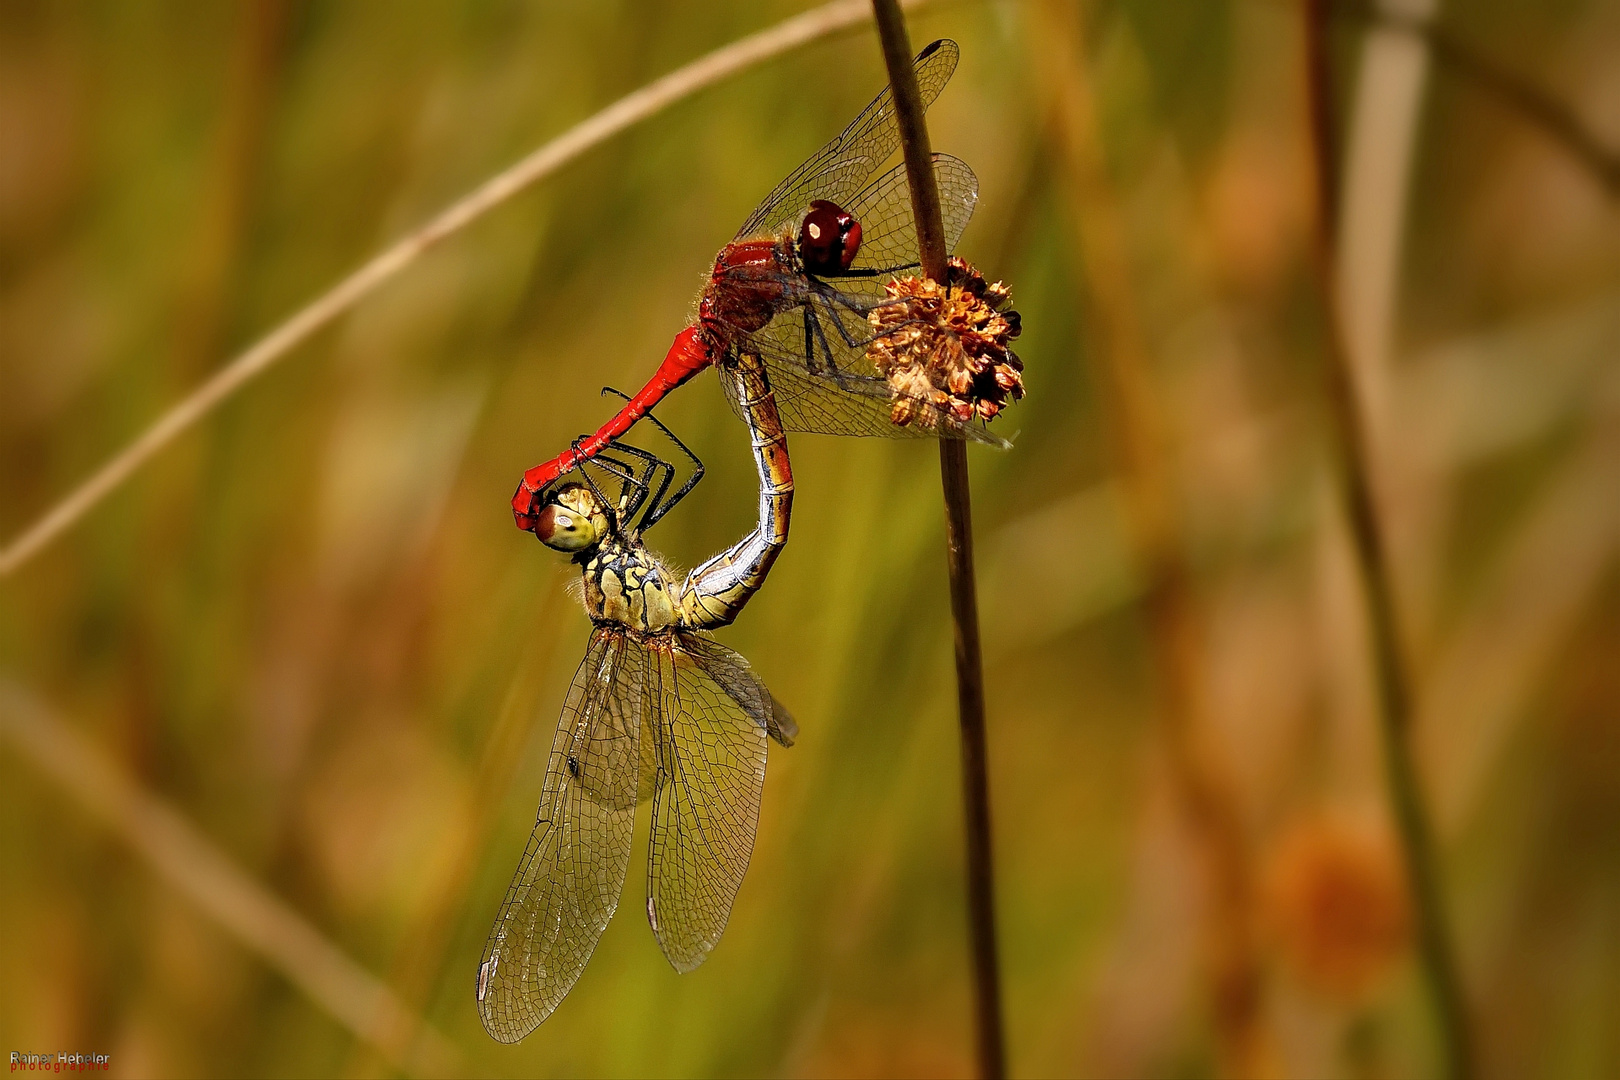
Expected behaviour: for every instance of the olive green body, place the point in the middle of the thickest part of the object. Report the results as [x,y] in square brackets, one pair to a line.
[626,585]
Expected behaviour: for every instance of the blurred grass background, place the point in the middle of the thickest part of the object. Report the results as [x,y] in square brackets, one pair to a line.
[311,627]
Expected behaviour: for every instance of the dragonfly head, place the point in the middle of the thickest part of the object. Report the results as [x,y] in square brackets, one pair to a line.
[572,520]
[829,239]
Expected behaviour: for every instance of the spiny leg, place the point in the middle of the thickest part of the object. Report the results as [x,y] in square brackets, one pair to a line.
[831,299]
[640,476]
[655,476]
[590,482]
[814,324]
[660,506]
[835,298]
[832,303]
[632,485]
[652,464]
[875,271]
[810,360]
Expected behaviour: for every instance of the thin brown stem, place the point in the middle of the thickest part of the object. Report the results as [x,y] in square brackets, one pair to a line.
[1553,117]
[953,466]
[1394,692]
[1123,348]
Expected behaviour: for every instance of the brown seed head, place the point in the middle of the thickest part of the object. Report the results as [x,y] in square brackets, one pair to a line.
[943,347]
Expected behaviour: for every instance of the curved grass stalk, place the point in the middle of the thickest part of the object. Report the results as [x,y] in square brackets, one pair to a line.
[1356,433]
[342,297]
[208,878]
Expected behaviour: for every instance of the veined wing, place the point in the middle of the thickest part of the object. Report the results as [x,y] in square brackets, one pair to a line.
[713,719]
[889,228]
[839,392]
[572,873]
[888,242]
[855,401]
[837,170]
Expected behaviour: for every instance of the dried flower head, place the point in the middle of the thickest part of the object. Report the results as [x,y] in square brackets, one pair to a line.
[1338,905]
[943,347]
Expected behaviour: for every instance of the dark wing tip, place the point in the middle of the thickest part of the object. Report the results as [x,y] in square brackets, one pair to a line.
[781,725]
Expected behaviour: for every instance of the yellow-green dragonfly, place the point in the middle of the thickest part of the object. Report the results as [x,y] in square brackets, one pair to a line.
[658,710]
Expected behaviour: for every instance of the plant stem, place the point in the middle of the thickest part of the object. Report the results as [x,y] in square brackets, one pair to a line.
[1128,378]
[1554,117]
[959,560]
[1394,693]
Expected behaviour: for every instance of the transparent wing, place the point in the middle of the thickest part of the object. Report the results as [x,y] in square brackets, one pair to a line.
[714,718]
[888,227]
[569,880]
[736,677]
[837,170]
[818,366]
[854,401]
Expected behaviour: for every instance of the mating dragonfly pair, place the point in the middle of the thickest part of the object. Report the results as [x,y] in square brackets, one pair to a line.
[814,325]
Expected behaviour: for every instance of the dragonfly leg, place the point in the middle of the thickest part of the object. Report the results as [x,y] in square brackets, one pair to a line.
[835,297]
[832,300]
[640,476]
[660,506]
[590,482]
[830,365]
[877,271]
[811,357]
[652,481]
[633,485]
[816,338]
[838,322]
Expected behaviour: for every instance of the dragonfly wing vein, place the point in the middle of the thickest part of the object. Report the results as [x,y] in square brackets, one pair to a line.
[711,771]
[870,138]
[568,882]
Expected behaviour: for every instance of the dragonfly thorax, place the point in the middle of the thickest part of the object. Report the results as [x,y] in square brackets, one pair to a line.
[626,585]
[755,280]
[751,282]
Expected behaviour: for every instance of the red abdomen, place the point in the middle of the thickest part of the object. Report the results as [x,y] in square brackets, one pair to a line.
[688,354]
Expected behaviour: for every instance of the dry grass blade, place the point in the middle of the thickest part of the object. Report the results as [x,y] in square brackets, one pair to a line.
[341,298]
[1556,119]
[1232,978]
[1355,433]
[207,877]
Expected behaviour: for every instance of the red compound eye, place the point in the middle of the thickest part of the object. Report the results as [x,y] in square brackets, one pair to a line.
[829,239]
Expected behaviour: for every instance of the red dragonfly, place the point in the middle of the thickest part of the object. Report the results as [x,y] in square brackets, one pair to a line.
[770,292]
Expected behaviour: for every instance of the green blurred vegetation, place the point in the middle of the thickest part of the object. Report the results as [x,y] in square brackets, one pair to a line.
[311,626]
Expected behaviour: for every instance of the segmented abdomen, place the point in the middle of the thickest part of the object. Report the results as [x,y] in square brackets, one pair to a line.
[716,592]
